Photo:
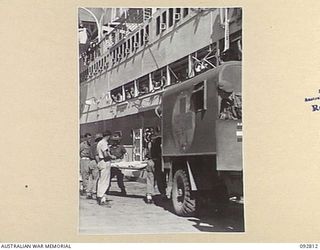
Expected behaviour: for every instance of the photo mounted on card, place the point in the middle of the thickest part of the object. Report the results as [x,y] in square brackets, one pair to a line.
[160,120]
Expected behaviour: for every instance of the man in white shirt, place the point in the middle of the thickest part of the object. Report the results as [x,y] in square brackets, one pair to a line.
[104,166]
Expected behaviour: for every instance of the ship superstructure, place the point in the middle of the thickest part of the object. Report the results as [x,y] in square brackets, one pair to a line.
[137,53]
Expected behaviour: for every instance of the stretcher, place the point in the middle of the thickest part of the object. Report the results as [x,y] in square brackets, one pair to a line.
[129,165]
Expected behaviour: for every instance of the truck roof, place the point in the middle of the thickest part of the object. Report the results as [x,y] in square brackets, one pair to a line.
[226,82]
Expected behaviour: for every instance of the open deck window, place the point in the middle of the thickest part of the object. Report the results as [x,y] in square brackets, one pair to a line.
[177,15]
[199,97]
[137,39]
[170,17]
[132,43]
[163,25]
[179,70]
[235,47]
[159,79]
[142,37]
[124,48]
[205,59]
[147,33]
[185,12]
[117,54]
[121,51]
[143,85]
[158,25]
[128,44]
[113,56]
[129,90]
[116,95]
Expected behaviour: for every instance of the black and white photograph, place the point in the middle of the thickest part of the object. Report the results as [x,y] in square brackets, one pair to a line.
[160,121]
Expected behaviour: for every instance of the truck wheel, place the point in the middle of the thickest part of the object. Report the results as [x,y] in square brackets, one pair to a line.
[183,202]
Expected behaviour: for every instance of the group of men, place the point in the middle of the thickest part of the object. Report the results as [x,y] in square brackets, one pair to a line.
[96,170]
[95,165]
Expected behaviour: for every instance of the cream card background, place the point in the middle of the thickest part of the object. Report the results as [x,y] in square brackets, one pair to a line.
[39,121]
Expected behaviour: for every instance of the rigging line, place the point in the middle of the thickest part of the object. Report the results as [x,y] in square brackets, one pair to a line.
[209,63]
[153,57]
[208,54]
[173,73]
[207,58]
[196,59]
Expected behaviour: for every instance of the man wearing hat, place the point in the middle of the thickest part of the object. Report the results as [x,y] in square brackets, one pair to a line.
[93,168]
[104,166]
[117,150]
[154,168]
[230,106]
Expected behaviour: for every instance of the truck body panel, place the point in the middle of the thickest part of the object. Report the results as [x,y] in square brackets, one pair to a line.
[191,123]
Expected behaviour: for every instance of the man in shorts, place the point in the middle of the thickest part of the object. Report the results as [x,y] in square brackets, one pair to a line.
[104,166]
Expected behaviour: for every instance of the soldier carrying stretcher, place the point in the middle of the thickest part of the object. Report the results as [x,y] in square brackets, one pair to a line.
[117,150]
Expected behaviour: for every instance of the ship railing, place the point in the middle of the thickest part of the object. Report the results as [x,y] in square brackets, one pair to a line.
[122,51]
[164,19]
[142,35]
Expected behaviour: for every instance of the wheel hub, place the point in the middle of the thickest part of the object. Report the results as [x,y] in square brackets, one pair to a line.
[180,192]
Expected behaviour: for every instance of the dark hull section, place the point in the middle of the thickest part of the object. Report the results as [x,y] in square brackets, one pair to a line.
[124,124]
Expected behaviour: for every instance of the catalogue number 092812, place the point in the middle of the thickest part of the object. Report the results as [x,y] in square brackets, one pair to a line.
[309,245]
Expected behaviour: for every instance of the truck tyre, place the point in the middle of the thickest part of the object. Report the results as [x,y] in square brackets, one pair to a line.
[183,202]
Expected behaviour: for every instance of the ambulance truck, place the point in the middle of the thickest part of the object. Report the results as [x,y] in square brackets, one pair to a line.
[202,138]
